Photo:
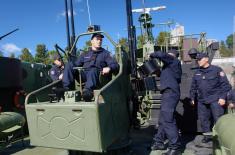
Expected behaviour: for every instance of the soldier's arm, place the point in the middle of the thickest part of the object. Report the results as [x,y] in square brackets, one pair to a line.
[111,63]
[53,75]
[164,57]
[224,84]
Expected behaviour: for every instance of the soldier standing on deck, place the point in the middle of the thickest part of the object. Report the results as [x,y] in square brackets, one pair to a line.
[170,89]
[209,87]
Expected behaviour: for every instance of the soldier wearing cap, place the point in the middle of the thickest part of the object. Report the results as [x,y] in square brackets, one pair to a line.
[169,85]
[209,87]
[56,72]
[97,60]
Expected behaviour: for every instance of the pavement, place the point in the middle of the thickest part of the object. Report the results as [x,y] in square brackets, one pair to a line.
[140,143]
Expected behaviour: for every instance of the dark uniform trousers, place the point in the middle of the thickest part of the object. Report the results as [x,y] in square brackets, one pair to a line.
[204,114]
[167,123]
[89,76]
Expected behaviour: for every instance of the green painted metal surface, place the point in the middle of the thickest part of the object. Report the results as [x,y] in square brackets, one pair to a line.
[35,76]
[224,136]
[11,73]
[9,120]
[64,125]
[11,125]
[85,126]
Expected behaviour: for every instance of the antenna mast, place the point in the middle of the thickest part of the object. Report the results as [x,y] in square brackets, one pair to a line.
[88,11]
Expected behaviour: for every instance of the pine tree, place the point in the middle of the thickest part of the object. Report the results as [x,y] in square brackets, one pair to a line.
[162,37]
[51,56]
[140,41]
[123,42]
[224,51]
[26,56]
[229,41]
[41,55]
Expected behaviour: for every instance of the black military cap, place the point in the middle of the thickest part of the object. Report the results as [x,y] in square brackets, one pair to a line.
[97,35]
[201,55]
[175,52]
[56,56]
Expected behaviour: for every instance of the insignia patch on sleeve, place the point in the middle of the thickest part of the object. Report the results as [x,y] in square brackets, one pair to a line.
[52,72]
[221,74]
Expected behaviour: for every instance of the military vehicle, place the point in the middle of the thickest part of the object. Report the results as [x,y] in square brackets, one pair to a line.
[223,133]
[103,126]
[16,80]
[11,123]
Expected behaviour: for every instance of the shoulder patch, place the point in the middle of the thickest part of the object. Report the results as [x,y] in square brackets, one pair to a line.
[110,55]
[221,73]
[52,72]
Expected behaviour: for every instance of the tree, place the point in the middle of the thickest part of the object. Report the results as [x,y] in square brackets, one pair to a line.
[87,45]
[51,55]
[224,51]
[41,55]
[26,56]
[140,41]
[229,41]
[84,49]
[161,39]
[124,43]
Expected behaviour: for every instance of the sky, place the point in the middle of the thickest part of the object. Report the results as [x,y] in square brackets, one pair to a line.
[43,21]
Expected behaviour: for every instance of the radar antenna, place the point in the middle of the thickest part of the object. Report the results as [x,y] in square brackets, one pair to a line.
[145,21]
[147,10]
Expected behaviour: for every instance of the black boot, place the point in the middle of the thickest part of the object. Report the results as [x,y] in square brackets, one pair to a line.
[87,95]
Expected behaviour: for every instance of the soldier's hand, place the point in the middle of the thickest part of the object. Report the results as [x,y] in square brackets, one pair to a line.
[61,77]
[231,105]
[221,102]
[192,103]
[105,70]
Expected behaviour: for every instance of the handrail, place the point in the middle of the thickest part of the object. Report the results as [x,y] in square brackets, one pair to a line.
[89,33]
[39,90]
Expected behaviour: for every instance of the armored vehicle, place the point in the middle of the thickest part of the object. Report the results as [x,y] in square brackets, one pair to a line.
[16,80]
[130,98]
[75,124]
